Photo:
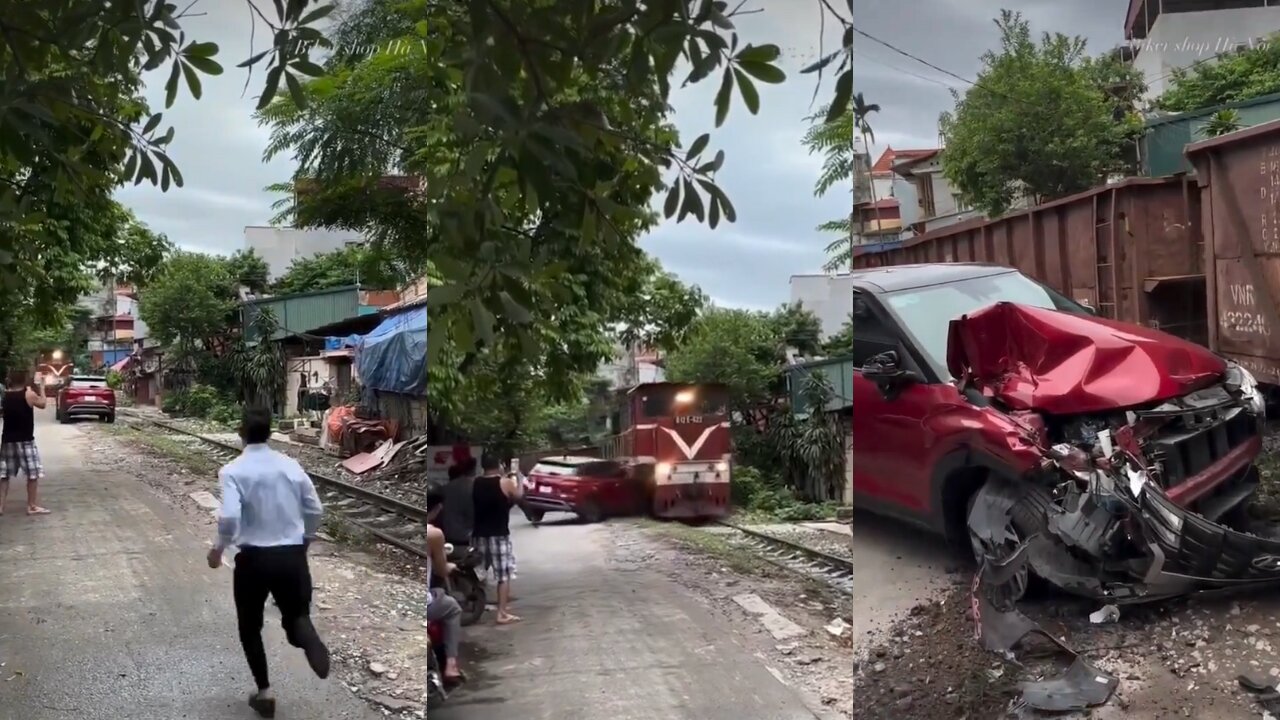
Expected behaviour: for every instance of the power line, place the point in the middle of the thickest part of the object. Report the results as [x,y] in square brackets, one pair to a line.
[904,71]
[942,70]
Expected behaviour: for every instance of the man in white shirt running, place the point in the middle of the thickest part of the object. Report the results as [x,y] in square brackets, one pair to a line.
[271,511]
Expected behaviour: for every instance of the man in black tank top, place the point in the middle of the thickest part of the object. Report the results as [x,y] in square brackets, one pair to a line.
[18,453]
[493,494]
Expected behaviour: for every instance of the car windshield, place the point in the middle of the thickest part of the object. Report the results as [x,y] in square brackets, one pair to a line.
[927,312]
[577,470]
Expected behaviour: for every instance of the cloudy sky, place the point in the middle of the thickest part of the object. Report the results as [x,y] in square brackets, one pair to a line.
[768,174]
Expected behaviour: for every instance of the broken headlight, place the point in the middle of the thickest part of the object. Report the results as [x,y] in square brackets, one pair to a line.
[1240,382]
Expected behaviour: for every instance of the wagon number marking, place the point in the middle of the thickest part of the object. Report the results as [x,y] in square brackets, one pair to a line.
[1243,321]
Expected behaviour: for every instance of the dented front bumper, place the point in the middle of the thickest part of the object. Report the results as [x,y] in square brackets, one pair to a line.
[1113,526]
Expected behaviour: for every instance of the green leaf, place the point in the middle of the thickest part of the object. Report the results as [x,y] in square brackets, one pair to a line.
[758,54]
[272,86]
[723,97]
[764,72]
[514,310]
[171,168]
[254,59]
[295,90]
[844,95]
[588,229]
[200,49]
[699,144]
[318,14]
[205,65]
[719,198]
[308,68]
[482,321]
[438,297]
[673,200]
[153,122]
[193,80]
[746,88]
[171,85]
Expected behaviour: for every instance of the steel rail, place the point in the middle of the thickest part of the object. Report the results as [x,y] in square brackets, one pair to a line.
[384,502]
[834,564]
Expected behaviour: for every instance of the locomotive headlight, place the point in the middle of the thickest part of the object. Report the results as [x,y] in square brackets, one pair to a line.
[684,397]
[663,469]
[722,466]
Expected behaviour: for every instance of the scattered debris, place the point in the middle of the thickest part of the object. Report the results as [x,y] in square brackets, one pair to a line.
[1083,686]
[1105,614]
[839,628]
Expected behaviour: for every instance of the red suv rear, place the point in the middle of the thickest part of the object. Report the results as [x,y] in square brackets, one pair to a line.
[86,396]
[589,487]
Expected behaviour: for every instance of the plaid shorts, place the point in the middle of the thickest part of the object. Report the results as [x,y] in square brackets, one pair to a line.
[20,458]
[499,557]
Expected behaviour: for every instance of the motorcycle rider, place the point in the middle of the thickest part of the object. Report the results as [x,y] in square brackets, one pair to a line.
[458,516]
[441,606]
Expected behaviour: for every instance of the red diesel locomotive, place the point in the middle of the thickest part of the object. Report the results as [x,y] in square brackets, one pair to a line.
[675,437]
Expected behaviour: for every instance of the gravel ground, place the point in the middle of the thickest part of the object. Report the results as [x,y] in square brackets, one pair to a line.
[718,569]
[827,542]
[312,458]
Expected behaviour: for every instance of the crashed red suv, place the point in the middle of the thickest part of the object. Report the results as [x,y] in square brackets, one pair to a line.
[1103,457]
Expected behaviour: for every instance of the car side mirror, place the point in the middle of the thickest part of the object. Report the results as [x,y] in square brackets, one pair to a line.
[886,371]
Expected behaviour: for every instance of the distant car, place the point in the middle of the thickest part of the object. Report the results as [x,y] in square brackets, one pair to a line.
[86,396]
[590,488]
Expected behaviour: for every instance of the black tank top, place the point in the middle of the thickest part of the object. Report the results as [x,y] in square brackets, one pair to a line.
[19,418]
[492,508]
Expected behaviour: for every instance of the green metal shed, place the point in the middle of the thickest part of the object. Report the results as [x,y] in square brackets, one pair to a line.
[1165,138]
[839,373]
[304,312]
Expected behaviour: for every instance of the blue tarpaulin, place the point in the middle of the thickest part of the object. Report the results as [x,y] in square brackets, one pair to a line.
[393,358]
[337,343]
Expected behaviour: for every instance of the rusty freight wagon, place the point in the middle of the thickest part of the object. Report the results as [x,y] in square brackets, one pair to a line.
[1239,182]
[1132,250]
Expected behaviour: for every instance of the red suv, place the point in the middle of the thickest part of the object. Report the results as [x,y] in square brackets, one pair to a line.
[589,487]
[86,396]
[1098,455]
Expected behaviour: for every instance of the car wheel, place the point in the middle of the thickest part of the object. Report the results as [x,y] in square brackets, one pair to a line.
[534,516]
[591,512]
[110,418]
[1029,517]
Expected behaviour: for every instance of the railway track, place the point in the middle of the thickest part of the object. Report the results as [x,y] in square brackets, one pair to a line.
[824,567]
[387,519]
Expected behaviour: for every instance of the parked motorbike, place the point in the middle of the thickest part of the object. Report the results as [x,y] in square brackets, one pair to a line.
[468,588]
[436,693]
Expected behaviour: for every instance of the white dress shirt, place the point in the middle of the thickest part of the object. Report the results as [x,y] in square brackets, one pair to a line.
[267,500]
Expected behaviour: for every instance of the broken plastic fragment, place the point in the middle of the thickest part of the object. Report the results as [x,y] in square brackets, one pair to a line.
[1105,614]
[1083,686]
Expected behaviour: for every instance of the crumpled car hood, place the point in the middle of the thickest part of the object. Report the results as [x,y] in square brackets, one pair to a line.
[1063,364]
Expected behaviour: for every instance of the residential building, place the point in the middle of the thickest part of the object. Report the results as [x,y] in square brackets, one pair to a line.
[632,366]
[280,246]
[1168,35]
[116,327]
[880,218]
[937,202]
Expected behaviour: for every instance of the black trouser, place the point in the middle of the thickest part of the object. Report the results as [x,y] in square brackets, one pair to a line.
[282,573]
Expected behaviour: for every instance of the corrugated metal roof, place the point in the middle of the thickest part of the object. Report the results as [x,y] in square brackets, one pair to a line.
[303,313]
